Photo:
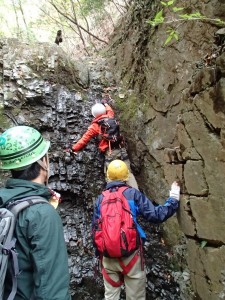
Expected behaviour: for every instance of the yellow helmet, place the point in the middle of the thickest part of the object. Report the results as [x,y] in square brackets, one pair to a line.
[117,170]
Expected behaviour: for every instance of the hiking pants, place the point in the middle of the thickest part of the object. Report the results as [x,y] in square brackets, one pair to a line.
[134,281]
[121,154]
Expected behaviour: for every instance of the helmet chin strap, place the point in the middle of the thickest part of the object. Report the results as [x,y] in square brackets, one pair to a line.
[45,167]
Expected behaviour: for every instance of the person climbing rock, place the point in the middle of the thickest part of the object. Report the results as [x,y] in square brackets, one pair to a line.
[42,255]
[111,142]
[118,238]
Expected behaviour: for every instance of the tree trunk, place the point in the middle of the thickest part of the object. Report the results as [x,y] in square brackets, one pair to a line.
[78,27]
[74,22]
[117,7]
[17,21]
[88,28]
[24,19]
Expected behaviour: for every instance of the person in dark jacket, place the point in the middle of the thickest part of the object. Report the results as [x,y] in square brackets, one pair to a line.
[42,254]
[58,38]
[110,150]
[135,279]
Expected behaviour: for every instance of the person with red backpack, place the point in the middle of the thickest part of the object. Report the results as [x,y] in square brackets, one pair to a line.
[107,128]
[118,238]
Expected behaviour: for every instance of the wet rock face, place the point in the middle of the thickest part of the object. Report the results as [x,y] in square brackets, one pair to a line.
[49,102]
[176,127]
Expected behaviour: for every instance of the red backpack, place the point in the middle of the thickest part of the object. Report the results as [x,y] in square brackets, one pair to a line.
[116,233]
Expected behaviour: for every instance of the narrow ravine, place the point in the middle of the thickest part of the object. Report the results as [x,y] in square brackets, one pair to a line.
[54,104]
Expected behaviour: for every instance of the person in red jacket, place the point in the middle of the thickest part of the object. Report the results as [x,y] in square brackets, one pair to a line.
[111,149]
[99,111]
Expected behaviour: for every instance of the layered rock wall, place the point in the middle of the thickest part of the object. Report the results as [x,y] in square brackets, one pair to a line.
[173,112]
[43,88]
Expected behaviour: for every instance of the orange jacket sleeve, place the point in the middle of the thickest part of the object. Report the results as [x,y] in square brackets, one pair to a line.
[92,131]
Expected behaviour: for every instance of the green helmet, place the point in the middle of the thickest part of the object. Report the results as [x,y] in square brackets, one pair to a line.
[21,146]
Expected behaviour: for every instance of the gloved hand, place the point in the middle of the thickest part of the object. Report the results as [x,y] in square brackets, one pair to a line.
[73,149]
[175,191]
[67,150]
[106,99]
[55,199]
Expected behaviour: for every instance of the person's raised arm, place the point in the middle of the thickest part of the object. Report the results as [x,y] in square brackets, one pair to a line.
[109,111]
[90,133]
[159,213]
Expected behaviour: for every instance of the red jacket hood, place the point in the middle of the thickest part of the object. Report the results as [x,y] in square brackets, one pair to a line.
[95,120]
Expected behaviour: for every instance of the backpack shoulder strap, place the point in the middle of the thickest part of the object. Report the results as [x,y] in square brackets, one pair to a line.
[99,119]
[120,187]
[123,188]
[15,208]
[20,205]
[114,189]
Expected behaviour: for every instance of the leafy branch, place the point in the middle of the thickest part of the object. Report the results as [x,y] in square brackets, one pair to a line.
[174,16]
[74,21]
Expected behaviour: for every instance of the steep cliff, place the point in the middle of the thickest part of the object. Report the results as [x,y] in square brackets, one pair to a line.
[43,88]
[172,107]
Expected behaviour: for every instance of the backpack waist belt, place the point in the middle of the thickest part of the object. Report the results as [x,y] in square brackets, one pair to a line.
[126,269]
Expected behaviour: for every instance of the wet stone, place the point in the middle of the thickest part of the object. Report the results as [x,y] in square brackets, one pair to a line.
[62,115]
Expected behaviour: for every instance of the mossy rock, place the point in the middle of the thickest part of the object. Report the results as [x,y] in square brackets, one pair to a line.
[4,121]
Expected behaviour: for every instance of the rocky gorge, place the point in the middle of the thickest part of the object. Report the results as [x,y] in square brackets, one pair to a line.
[170,102]
[41,89]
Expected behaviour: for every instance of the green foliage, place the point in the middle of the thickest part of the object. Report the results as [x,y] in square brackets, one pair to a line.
[169,3]
[203,244]
[176,9]
[196,15]
[89,6]
[219,22]
[172,35]
[159,19]
[170,14]
[127,116]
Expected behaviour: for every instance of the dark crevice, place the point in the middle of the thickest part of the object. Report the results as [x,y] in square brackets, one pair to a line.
[210,243]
